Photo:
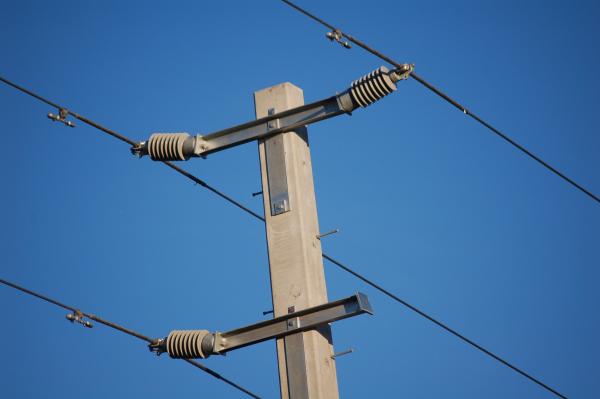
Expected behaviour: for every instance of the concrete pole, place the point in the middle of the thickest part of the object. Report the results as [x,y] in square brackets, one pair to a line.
[306,369]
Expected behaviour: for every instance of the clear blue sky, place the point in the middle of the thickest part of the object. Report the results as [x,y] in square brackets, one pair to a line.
[431,205]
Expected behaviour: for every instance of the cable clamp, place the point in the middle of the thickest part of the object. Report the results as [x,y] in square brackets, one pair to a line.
[337,35]
[61,117]
[157,346]
[78,317]
[402,73]
[139,150]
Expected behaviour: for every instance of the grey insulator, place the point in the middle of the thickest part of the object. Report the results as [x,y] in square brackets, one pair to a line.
[372,87]
[167,146]
[187,344]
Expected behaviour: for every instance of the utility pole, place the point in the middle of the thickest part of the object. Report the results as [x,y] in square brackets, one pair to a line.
[306,368]
[302,315]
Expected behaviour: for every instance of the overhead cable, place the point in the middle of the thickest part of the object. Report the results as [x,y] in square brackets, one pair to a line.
[450,100]
[68,112]
[79,313]
[442,325]
[338,264]
[212,189]
[131,142]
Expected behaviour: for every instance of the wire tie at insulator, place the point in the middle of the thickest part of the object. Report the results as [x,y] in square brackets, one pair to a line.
[157,346]
[78,317]
[63,113]
[337,35]
[402,73]
[138,149]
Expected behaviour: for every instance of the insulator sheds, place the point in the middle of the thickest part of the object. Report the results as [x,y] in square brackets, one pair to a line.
[372,87]
[187,344]
[167,146]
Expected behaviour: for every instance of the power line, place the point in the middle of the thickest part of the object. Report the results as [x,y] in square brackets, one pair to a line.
[73,309]
[123,330]
[332,260]
[442,325]
[220,377]
[450,100]
[212,189]
[131,142]
[73,114]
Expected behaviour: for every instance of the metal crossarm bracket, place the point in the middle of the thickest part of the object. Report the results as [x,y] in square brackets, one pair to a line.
[292,323]
[362,93]
[189,344]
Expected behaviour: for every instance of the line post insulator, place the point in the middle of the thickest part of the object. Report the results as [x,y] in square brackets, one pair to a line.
[186,344]
[374,86]
[168,146]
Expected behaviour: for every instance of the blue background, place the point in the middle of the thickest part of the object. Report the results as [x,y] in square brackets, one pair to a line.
[429,204]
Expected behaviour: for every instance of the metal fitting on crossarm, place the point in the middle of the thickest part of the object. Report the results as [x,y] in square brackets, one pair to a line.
[200,344]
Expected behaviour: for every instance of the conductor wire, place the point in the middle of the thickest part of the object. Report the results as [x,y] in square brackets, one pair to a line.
[451,101]
[126,331]
[73,114]
[131,142]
